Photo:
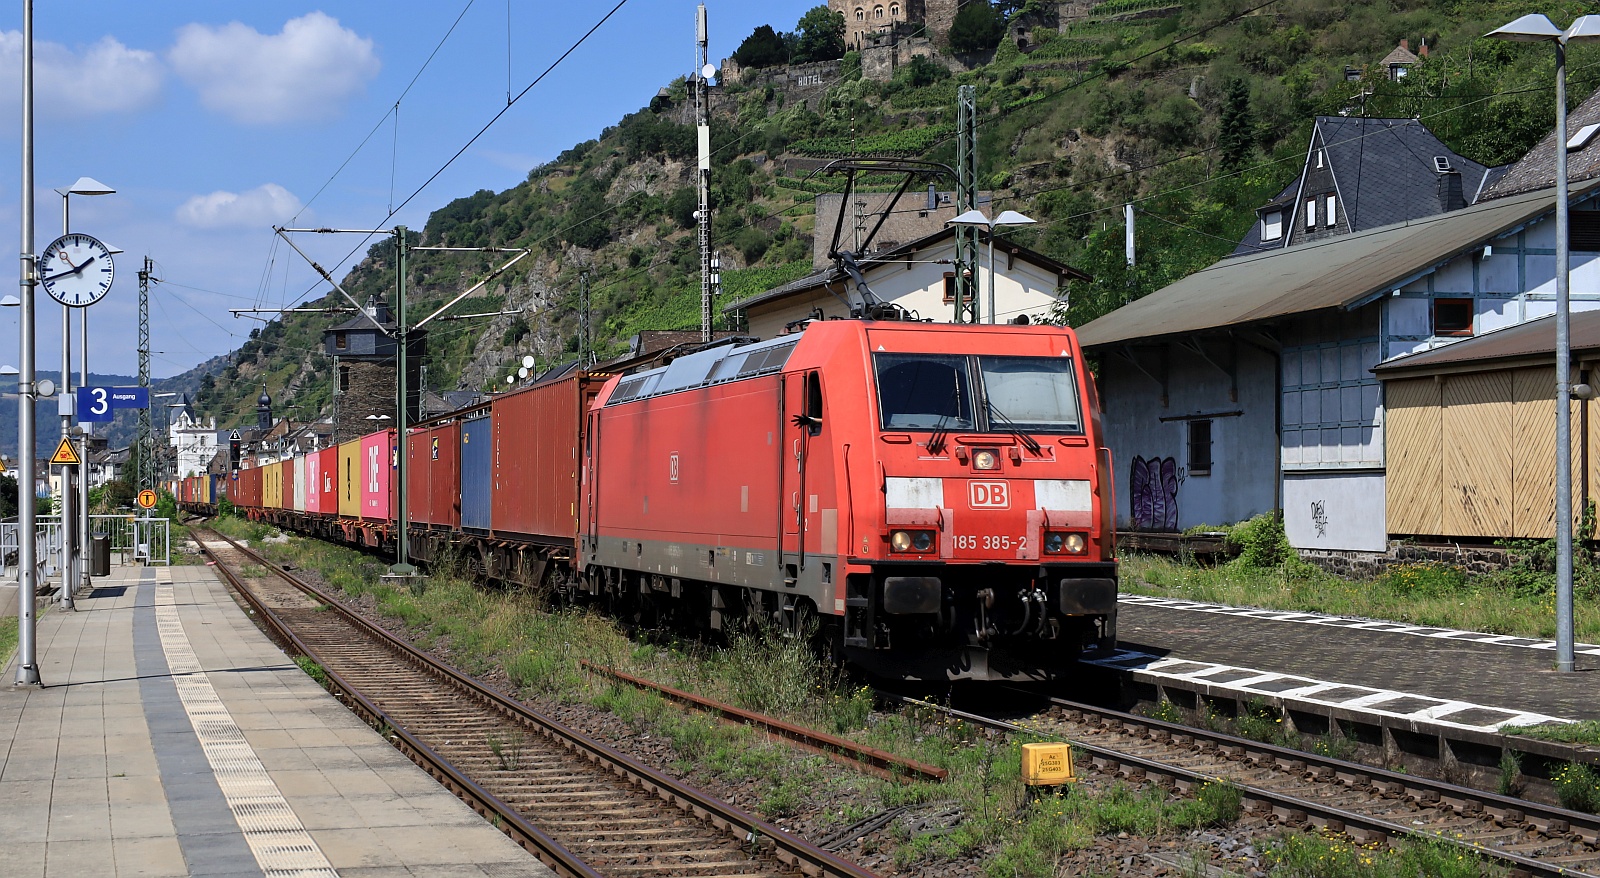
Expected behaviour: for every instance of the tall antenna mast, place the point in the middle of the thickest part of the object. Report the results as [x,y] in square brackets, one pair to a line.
[702,93]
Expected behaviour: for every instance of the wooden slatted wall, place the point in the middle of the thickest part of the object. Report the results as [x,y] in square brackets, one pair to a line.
[1477,454]
[1412,434]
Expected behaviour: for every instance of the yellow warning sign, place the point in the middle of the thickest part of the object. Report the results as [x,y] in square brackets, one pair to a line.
[66,455]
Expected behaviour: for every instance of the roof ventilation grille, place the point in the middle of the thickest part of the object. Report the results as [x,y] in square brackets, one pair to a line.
[1441,164]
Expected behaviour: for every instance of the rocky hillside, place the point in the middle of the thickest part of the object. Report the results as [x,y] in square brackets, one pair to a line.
[1196,112]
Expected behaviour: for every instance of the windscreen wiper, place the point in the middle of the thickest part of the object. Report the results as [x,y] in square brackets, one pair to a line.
[1011,427]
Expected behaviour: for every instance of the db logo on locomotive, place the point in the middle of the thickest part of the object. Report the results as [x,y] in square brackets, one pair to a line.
[988,495]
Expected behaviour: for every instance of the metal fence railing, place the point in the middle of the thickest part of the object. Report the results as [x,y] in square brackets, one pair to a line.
[135,540]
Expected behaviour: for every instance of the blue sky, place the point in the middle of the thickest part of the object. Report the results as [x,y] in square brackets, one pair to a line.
[216,120]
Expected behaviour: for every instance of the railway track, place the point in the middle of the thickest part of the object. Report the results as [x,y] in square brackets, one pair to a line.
[583,808]
[1294,788]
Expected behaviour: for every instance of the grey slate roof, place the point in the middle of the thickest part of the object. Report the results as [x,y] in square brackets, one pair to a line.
[1333,273]
[1537,169]
[1384,172]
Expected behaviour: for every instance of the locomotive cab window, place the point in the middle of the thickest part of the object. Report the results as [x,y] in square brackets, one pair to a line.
[937,392]
[924,391]
[814,402]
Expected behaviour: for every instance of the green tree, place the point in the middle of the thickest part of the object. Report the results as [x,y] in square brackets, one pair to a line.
[764,48]
[978,28]
[820,36]
[1235,130]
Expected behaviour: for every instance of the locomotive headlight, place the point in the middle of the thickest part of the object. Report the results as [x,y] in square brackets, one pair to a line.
[985,459]
[1075,544]
[1054,543]
[911,540]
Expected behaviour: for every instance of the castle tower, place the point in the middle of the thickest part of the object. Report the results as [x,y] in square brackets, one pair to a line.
[863,17]
[264,410]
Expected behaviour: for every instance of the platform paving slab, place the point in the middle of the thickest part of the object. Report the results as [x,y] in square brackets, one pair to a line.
[1484,671]
[111,767]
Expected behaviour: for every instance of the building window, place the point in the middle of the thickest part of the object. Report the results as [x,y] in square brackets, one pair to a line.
[340,342]
[1452,316]
[894,10]
[344,379]
[1311,214]
[1319,158]
[1272,225]
[877,12]
[861,14]
[1333,210]
[1584,230]
[1200,447]
[949,288]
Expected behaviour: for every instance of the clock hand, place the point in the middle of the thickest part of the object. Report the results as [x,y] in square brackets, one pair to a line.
[75,270]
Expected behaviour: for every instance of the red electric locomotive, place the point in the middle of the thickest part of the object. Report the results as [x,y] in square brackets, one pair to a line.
[935,499]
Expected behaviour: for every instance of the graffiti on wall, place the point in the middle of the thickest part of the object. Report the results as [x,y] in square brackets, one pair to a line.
[1153,492]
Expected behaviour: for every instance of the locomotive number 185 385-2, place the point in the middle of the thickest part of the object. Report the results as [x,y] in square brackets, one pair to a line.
[1002,542]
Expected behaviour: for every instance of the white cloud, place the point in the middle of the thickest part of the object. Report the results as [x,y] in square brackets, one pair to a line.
[259,207]
[105,77]
[305,72]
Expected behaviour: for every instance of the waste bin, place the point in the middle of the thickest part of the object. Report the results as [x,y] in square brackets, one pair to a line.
[100,555]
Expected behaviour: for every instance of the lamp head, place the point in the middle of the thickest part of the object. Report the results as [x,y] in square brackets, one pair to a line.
[1584,29]
[973,217]
[1531,28]
[87,186]
[1012,218]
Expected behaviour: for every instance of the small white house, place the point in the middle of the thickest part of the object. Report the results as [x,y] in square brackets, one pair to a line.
[920,277]
[195,440]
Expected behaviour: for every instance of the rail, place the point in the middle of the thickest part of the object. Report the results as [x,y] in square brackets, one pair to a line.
[1503,810]
[788,848]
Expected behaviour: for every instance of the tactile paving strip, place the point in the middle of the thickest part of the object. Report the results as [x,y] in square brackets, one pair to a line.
[1352,622]
[1296,687]
[281,845]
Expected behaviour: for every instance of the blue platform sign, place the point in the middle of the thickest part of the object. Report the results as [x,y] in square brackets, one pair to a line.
[100,403]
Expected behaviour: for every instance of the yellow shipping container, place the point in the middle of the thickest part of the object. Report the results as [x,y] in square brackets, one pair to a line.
[348,479]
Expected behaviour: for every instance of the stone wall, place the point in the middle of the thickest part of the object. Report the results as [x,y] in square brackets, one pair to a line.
[364,388]
[1473,559]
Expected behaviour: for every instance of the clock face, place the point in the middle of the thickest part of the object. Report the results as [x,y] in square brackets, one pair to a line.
[76,270]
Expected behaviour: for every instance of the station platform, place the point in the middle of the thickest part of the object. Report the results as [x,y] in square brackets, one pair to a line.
[171,737]
[1457,678]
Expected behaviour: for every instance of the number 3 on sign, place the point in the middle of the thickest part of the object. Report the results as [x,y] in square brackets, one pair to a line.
[101,402]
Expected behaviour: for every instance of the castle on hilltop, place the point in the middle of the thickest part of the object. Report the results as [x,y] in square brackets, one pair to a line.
[869,22]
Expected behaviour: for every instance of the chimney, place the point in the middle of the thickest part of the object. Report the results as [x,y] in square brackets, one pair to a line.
[1422,50]
[933,197]
[1450,195]
[1405,44]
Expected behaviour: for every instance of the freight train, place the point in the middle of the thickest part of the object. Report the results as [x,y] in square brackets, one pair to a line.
[931,501]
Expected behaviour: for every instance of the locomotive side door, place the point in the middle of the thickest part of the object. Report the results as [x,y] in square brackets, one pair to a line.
[802,428]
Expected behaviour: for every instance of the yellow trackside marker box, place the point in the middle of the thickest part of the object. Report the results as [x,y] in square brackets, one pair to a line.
[1046,765]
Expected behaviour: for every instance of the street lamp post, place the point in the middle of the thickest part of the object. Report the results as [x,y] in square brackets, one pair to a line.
[1539,29]
[976,217]
[71,545]
[27,645]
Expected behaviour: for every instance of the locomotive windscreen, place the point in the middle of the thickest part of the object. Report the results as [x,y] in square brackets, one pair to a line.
[936,392]
[924,391]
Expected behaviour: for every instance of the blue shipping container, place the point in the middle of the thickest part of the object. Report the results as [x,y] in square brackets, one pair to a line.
[477,453]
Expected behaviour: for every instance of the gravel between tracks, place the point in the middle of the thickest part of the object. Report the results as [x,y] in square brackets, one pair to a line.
[1231,850]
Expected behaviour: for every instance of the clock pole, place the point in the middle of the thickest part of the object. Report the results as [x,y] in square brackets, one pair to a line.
[69,490]
[27,455]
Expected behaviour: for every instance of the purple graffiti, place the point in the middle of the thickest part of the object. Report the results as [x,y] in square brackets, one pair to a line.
[1153,492]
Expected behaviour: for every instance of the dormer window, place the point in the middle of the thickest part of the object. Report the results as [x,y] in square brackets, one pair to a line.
[1272,225]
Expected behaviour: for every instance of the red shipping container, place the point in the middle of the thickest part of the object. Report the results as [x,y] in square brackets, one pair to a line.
[328,480]
[377,470]
[417,474]
[250,488]
[433,474]
[537,436]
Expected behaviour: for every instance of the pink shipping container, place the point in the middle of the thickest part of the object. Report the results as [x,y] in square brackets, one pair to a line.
[417,476]
[312,482]
[377,470]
